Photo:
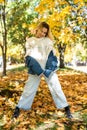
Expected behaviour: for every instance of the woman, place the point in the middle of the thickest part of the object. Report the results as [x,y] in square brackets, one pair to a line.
[39,49]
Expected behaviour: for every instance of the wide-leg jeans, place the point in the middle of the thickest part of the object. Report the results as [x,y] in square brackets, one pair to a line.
[30,89]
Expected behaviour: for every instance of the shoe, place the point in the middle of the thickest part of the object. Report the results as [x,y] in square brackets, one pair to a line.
[16,112]
[69,116]
[68,113]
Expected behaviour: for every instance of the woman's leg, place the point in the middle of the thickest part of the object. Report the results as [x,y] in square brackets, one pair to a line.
[56,91]
[57,94]
[29,92]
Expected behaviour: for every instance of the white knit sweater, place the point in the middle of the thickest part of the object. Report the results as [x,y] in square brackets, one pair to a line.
[39,49]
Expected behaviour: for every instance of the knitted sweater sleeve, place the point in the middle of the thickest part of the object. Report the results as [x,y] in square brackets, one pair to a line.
[28,46]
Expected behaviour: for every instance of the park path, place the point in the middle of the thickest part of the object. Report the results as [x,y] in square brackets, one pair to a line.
[9,67]
[79,68]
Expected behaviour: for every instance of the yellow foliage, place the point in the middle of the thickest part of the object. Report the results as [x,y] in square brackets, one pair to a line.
[45,5]
[57,18]
[1,1]
[62,2]
[24,25]
[66,10]
[78,1]
[80,20]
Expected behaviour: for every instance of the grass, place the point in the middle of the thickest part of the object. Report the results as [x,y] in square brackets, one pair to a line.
[21,68]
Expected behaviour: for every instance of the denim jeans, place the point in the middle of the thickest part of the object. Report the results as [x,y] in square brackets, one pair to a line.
[31,87]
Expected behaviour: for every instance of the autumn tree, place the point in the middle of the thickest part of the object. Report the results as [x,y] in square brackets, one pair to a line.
[19,21]
[15,20]
[67,20]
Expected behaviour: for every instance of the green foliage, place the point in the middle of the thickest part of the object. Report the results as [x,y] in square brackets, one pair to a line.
[18,22]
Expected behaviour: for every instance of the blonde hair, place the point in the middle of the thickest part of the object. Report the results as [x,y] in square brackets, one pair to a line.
[45,25]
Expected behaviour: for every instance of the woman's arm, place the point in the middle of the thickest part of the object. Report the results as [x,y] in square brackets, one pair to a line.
[28,46]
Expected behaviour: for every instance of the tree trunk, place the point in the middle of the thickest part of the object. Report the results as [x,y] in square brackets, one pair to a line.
[4,34]
[61,49]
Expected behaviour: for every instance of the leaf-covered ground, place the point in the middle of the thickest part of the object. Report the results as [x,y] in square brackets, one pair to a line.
[44,115]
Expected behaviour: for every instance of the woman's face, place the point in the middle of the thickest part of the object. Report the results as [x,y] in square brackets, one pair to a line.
[42,32]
